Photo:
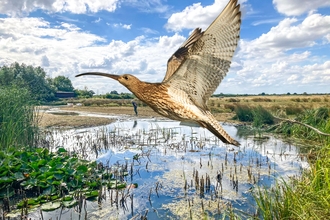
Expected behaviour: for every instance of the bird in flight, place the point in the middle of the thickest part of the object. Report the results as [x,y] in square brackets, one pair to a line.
[193,73]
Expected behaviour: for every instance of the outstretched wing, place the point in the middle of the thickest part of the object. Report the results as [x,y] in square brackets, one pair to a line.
[180,55]
[207,61]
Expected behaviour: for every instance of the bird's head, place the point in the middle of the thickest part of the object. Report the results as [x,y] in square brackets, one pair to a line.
[127,80]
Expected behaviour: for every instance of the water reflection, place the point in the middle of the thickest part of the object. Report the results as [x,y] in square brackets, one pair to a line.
[181,172]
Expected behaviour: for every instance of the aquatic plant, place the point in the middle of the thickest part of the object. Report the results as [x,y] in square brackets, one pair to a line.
[38,176]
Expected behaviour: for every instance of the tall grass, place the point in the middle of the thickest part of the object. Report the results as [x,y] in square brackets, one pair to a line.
[307,197]
[18,120]
[318,118]
[258,115]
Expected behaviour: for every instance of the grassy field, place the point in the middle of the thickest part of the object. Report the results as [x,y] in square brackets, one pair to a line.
[289,104]
[222,108]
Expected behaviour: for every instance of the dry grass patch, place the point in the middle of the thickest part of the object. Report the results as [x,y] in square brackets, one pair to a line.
[72,121]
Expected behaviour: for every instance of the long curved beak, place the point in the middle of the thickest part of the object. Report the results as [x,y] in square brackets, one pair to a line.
[112,76]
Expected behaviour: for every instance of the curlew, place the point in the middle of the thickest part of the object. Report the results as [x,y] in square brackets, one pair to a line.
[193,73]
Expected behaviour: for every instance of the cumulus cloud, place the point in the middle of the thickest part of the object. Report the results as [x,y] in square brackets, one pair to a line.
[24,7]
[195,16]
[279,60]
[56,48]
[298,7]
[287,35]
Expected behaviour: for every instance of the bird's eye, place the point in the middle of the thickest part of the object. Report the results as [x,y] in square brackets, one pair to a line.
[126,77]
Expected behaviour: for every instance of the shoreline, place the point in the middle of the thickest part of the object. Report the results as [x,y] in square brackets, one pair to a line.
[66,117]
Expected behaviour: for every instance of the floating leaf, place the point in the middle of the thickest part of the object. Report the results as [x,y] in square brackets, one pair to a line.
[19,176]
[70,204]
[67,198]
[82,168]
[44,169]
[50,206]
[58,176]
[42,162]
[121,186]
[5,179]
[61,150]
[91,194]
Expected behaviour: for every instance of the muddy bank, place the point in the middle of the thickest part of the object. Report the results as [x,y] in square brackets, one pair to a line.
[77,116]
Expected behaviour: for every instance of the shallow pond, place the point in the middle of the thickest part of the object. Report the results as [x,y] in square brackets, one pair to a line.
[182,172]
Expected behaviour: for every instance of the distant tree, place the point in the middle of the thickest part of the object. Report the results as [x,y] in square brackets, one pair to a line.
[126,96]
[29,77]
[118,96]
[288,93]
[84,93]
[262,93]
[62,83]
[114,92]
[305,93]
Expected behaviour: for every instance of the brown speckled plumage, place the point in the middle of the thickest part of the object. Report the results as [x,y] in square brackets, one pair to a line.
[193,73]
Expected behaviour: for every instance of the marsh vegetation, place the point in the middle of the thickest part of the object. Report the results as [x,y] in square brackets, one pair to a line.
[139,167]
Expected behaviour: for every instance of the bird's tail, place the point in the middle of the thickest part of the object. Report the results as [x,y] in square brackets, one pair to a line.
[213,125]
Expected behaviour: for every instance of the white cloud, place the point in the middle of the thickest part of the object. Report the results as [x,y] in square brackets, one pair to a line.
[195,16]
[269,63]
[97,20]
[298,7]
[288,35]
[24,7]
[125,26]
[35,42]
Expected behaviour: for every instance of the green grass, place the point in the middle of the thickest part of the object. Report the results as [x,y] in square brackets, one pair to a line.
[318,118]
[306,197]
[258,115]
[18,119]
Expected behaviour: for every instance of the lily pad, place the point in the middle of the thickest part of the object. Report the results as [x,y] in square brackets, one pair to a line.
[50,206]
[70,204]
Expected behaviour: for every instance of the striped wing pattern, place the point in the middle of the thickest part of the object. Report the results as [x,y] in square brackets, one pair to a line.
[207,59]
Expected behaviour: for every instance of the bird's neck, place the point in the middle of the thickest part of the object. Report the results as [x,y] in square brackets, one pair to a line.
[146,91]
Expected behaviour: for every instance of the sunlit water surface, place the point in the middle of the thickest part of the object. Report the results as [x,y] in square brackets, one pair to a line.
[173,162]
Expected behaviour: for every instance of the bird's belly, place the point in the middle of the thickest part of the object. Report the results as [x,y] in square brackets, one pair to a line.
[179,112]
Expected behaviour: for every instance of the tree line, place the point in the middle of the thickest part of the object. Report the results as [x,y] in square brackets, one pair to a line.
[43,88]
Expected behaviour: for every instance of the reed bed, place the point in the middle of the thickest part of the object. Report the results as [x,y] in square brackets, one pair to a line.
[18,120]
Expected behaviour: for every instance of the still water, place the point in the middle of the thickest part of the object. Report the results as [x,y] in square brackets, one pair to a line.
[182,172]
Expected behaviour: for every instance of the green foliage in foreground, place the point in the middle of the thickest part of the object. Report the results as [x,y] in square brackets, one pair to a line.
[44,176]
[18,121]
[307,197]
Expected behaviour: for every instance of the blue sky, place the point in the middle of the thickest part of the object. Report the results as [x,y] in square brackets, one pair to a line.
[284,45]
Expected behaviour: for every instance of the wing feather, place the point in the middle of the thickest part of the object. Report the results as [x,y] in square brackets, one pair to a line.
[208,59]
[180,55]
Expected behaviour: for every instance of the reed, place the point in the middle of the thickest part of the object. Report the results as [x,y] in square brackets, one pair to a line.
[18,118]
[258,115]
[306,197]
